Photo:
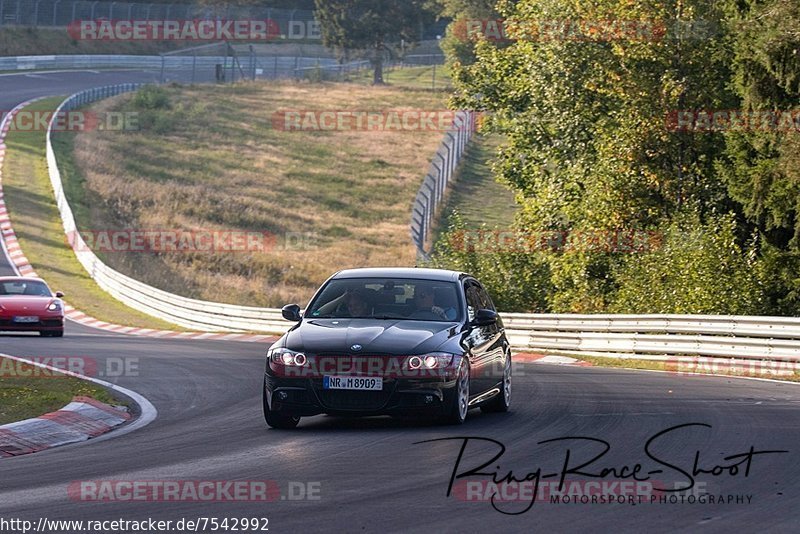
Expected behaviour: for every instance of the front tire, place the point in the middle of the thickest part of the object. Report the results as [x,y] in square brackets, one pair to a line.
[274,419]
[459,404]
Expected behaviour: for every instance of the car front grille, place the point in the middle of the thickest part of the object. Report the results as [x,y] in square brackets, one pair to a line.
[340,399]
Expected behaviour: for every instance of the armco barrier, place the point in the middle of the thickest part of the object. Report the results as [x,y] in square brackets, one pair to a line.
[648,336]
[178,67]
[189,313]
[726,336]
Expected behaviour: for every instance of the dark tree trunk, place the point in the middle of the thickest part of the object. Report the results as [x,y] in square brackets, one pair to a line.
[377,64]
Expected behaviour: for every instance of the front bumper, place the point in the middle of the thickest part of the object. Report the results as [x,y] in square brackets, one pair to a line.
[400,396]
[45,323]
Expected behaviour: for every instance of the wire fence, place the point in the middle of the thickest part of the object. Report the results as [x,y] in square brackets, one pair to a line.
[347,71]
[442,170]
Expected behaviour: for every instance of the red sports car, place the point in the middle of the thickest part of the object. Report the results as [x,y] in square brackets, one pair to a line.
[28,305]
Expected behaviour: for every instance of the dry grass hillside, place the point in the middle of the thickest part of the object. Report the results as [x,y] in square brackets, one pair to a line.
[210,159]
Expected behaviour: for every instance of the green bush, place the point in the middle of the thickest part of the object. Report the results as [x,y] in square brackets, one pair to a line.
[699,269]
[517,281]
[151,97]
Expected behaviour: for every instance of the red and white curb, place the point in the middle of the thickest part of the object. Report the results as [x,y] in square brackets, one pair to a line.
[79,317]
[80,420]
[12,250]
[550,359]
[9,244]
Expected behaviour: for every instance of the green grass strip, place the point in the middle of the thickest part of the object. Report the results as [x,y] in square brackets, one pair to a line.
[34,215]
[27,391]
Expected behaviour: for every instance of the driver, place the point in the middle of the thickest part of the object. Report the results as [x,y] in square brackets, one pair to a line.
[357,305]
[351,303]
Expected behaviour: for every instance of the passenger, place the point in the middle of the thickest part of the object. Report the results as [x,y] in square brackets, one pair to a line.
[424,307]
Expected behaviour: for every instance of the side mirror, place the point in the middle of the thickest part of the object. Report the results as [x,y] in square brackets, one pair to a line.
[59,294]
[485,318]
[291,312]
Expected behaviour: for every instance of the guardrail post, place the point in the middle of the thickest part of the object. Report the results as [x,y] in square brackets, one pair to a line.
[55,9]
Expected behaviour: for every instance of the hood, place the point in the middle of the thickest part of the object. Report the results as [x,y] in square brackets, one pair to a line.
[400,337]
[22,304]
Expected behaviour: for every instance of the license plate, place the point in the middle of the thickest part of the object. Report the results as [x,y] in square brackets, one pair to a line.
[26,319]
[352,382]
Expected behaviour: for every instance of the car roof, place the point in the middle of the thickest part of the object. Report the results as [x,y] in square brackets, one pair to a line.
[401,272]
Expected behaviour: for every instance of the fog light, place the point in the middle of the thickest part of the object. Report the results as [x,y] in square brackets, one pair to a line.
[282,395]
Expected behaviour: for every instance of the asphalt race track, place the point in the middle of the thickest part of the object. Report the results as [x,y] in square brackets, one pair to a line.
[368,475]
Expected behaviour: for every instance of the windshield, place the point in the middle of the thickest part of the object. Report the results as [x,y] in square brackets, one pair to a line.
[388,298]
[24,287]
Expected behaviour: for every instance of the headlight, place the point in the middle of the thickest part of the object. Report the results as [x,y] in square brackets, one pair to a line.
[54,306]
[433,360]
[287,357]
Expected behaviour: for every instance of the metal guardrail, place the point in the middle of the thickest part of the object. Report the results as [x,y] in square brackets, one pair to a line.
[443,167]
[648,336]
[188,68]
[726,336]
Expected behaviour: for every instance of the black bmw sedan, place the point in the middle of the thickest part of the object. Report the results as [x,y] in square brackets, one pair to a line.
[397,341]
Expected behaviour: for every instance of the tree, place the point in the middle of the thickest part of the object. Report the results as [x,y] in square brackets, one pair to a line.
[585,108]
[763,167]
[459,42]
[372,26]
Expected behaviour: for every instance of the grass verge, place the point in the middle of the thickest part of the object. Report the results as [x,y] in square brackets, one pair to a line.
[706,367]
[27,40]
[27,391]
[36,221]
[427,77]
[477,196]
